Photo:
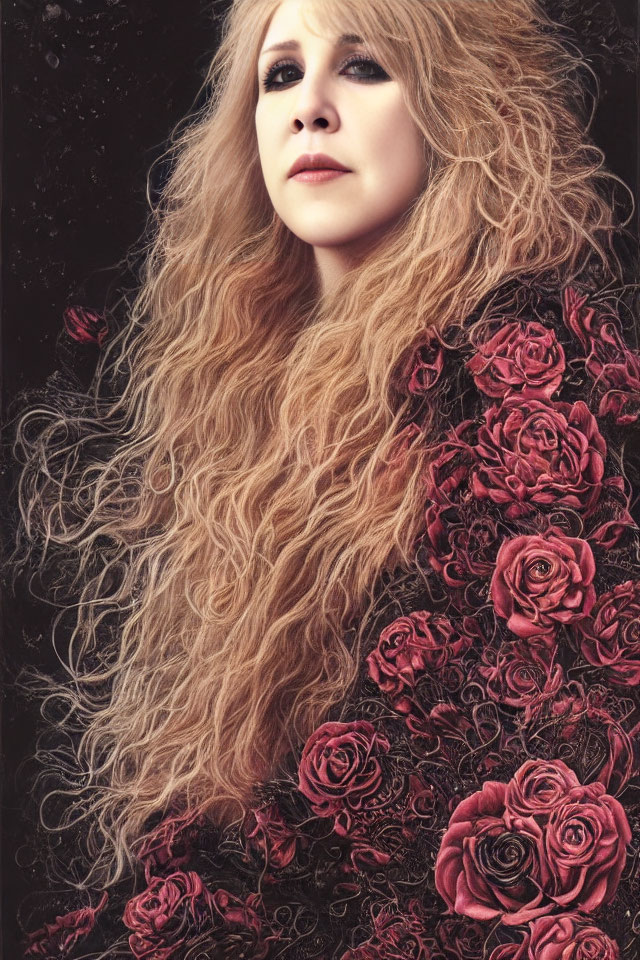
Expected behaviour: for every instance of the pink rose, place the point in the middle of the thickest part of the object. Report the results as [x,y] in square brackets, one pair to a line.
[169,845]
[425,368]
[411,645]
[461,543]
[85,326]
[239,929]
[585,848]
[449,466]
[521,675]
[568,709]
[165,913]
[59,938]
[522,358]
[266,831]
[533,454]
[512,951]
[613,366]
[488,865]
[616,372]
[461,939]
[538,786]
[339,769]
[611,635]
[541,582]
[396,936]
[570,937]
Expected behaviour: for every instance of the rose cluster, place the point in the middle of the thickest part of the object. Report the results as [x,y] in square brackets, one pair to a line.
[174,909]
[431,817]
[519,851]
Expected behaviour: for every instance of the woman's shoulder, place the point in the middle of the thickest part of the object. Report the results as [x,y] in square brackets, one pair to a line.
[537,338]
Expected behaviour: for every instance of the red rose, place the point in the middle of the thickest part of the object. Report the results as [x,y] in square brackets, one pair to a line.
[163,914]
[426,365]
[613,366]
[238,924]
[568,709]
[511,951]
[266,831]
[538,786]
[488,865]
[85,326]
[401,935]
[611,635]
[461,939]
[570,937]
[522,358]
[409,646]
[58,939]
[396,936]
[585,845]
[449,466]
[461,544]
[169,845]
[541,582]
[443,721]
[533,454]
[520,675]
[616,372]
[339,769]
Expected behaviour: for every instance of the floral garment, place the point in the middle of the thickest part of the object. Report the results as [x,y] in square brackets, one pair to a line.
[478,793]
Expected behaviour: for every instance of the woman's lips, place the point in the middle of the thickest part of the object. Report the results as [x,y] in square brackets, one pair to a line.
[318,175]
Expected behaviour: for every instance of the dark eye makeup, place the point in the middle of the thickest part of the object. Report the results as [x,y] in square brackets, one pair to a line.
[376,73]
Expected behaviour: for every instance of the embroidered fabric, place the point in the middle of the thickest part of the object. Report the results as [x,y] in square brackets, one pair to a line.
[477,795]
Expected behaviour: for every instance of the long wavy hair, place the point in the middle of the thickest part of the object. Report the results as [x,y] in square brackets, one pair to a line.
[232,486]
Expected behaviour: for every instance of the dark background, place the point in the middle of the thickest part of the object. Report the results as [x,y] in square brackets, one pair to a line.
[91,89]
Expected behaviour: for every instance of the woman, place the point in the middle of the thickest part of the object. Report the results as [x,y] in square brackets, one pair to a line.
[313,719]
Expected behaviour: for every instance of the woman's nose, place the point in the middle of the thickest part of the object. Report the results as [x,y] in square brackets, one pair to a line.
[313,105]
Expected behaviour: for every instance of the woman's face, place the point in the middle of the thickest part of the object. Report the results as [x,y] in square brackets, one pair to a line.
[323,95]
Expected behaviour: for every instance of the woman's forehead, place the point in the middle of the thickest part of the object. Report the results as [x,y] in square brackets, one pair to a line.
[322,18]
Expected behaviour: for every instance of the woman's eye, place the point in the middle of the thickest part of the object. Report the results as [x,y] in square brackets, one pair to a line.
[368,69]
[373,70]
[286,69]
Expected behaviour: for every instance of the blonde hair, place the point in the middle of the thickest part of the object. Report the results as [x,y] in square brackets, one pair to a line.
[233,506]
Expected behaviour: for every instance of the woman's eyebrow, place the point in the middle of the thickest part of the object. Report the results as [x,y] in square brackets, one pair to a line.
[343,41]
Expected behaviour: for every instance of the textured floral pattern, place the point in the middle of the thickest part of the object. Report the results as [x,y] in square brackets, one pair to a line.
[476,796]
[59,938]
[84,325]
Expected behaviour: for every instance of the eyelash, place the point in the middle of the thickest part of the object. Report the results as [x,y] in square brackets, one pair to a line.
[269,84]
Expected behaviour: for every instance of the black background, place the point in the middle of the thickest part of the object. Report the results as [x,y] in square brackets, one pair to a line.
[91,89]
